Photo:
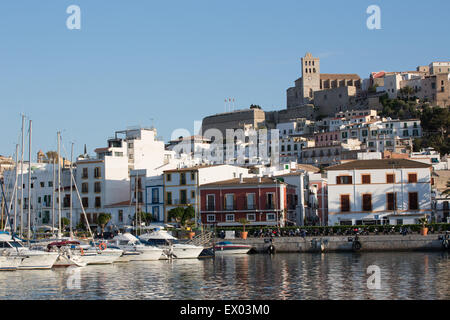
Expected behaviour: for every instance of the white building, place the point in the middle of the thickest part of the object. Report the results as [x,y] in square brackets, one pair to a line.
[44,194]
[378,192]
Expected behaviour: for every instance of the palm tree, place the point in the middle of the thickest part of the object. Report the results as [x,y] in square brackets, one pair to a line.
[103,219]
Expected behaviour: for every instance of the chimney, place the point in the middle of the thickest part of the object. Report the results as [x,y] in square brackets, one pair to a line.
[241,178]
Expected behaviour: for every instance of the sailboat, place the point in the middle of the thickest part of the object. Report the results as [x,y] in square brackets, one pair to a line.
[11,245]
[93,254]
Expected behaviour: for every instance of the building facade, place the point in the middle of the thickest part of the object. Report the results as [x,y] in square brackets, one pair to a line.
[261,201]
[396,191]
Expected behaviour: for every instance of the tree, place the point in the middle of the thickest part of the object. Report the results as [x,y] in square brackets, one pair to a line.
[103,219]
[244,222]
[64,222]
[182,215]
[52,156]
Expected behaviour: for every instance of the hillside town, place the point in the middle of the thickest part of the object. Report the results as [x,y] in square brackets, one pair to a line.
[334,156]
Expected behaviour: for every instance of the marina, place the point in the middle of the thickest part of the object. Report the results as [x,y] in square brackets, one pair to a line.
[337,276]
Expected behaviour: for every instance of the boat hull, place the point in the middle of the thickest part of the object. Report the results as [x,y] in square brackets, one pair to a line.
[38,260]
[187,253]
[229,251]
[10,263]
[148,255]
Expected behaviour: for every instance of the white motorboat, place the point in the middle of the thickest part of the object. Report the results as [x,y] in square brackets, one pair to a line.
[172,248]
[226,248]
[68,254]
[9,263]
[32,259]
[99,255]
[134,250]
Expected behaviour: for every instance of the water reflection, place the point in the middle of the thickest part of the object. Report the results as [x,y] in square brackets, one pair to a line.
[282,276]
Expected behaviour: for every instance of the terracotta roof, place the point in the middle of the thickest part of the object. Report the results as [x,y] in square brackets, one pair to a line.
[119,204]
[379,164]
[101,150]
[307,167]
[246,181]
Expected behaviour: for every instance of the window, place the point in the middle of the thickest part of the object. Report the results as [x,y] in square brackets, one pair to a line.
[391,199]
[182,178]
[85,187]
[210,202]
[251,201]
[193,194]
[169,197]
[344,180]
[365,178]
[229,218]
[270,201]
[169,177]
[155,212]
[211,218]
[42,184]
[251,217]
[412,177]
[85,173]
[345,203]
[97,172]
[50,183]
[229,202]
[66,201]
[367,202]
[85,202]
[192,175]
[98,202]
[270,217]
[413,201]
[390,178]
[97,187]
[155,195]
[183,197]
[120,215]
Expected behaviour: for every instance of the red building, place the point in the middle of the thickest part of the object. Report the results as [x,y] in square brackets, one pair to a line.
[262,201]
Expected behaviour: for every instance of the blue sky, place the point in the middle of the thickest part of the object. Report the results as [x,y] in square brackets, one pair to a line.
[176,61]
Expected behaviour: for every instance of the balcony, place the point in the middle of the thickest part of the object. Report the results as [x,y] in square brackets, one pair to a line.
[210,208]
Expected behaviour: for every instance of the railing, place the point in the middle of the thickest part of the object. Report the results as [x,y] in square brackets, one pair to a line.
[202,239]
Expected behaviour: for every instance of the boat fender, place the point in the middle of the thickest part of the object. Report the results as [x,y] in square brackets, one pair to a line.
[102,246]
[82,251]
[356,245]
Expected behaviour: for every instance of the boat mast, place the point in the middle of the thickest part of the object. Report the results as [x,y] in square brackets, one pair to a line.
[29,181]
[21,176]
[137,205]
[59,185]
[71,161]
[16,186]
[53,196]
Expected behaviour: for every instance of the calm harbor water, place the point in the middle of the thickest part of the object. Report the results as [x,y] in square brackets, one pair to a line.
[283,276]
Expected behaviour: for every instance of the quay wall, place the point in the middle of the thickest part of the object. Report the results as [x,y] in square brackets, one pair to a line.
[342,243]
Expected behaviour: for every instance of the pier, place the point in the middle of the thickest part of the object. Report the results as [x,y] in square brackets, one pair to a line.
[370,243]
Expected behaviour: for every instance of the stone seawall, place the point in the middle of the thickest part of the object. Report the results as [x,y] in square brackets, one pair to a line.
[343,243]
